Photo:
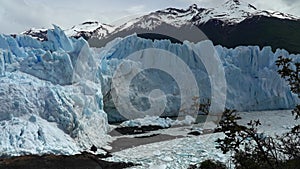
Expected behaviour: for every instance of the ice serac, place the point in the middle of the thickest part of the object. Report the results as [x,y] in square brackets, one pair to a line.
[2,64]
[253,81]
[48,105]
[251,74]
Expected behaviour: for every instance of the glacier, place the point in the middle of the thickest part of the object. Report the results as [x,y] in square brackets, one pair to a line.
[56,95]
[48,105]
[253,83]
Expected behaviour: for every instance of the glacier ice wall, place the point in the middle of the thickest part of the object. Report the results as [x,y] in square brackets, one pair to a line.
[253,81]
[251,74]
[53,93]
[48,104]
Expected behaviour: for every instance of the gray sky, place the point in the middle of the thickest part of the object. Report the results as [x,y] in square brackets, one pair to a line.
[19,15]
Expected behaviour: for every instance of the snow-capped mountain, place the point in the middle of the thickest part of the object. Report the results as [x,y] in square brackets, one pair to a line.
[39,34]
[232,24]
[231,12]
[89,29]
[235,11]
[86,30]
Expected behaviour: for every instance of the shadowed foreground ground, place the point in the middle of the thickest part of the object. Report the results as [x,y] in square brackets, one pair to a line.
[82,161]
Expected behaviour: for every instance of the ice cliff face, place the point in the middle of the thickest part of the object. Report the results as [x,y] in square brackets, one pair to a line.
[251,74]
[47,106]
[252,79]
[53,92]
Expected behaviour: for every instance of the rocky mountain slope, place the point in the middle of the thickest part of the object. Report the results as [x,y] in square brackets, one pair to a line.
[231,24]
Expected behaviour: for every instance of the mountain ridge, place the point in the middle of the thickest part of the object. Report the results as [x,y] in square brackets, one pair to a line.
[225,25]
[226,12]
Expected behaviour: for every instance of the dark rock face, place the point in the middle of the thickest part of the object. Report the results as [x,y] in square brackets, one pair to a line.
[195,133]
[135,130]
[93,148]
[40,35]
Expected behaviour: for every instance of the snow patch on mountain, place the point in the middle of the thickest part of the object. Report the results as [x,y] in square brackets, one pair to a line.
[235,11]
[86,30]
[90,28]
[39,34]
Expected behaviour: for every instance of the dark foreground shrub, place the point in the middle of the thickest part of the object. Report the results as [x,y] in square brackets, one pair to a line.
[246,161]
[209,164]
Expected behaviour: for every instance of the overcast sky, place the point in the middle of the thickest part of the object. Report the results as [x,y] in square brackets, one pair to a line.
[19,15]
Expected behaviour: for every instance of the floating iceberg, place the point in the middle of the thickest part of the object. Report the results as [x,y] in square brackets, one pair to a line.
[158,121]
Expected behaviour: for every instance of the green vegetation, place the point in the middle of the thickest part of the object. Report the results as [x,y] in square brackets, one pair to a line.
[253,150]
[259,30]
